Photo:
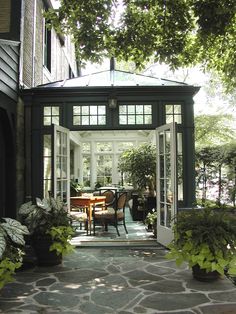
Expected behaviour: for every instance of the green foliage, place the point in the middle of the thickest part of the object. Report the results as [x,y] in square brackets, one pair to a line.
[212,130]
[45,214]
[216,165]
[49,216]
[180,32]
[140,164]
[61,236]
[206,237]
[151,218]
[75,186]
[7,270]
[12,242]
[11,234]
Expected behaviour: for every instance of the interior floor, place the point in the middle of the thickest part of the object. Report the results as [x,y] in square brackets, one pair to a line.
[137,233]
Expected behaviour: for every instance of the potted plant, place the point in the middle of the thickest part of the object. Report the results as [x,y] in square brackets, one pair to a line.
[139,163]
[12,243]
[50,227]
[75,188]
[151,222]
[206,240]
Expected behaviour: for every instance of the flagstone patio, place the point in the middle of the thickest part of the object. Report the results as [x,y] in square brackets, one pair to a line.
[116,280]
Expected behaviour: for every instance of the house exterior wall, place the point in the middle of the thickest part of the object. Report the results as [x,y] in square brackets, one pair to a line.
[21,66]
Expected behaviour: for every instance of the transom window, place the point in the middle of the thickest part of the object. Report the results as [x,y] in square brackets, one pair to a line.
[173,113]
[135,114]
[89,115]
[51,115]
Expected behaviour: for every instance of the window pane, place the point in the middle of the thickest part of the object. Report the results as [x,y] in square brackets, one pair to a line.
[148,109]
[86,170]
[93,120]
[123,120]
[47,121]
[104,169]
[177,109]
[55,120]
[136,114]
[86,147]
[139,119]
[93,110]
[47,171]
[47,111]
[131,109]
[90,115]
[148,119]
[47,145]
[101,120]
[76,120]
[76,109]
[122,109]
[104,147]
[51,115]
[169,119]
[169,109]
[178,119]
[131,119]
[85,110]
[101,110]
[55,111]
[85,120]
[139,109]
[122,146]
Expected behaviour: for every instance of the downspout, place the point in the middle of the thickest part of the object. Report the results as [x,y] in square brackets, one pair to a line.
[33,45]
[21,59]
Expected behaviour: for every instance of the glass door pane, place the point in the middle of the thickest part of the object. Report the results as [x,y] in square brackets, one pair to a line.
[166,181]
[61,163]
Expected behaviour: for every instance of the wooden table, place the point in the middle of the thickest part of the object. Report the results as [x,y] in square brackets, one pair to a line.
[88,201]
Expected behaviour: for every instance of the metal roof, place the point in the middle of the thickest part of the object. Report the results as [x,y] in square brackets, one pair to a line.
[112,78]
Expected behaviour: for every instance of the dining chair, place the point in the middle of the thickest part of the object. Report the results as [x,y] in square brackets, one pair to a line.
[79,214]
[112,215]
[110,200]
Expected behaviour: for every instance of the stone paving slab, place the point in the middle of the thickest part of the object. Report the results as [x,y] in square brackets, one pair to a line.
[116,280]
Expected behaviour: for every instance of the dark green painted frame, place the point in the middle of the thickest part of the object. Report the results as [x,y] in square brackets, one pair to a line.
[159,96]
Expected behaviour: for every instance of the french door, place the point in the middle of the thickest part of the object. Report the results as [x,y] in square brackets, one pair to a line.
[61,163]
[166,181]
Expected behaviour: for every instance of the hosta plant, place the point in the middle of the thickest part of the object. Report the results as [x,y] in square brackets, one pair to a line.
[12,243]
[207,238]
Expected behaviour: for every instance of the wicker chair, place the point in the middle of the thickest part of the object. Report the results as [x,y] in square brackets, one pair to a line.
[112,215]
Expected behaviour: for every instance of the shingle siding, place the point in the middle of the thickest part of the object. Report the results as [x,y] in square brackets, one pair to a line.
[9,56]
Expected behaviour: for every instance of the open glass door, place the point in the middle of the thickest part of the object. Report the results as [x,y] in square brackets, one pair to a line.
[61,163]
[166,181]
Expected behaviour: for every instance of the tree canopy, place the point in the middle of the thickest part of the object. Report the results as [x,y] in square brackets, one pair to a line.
[179,33]
[213,130]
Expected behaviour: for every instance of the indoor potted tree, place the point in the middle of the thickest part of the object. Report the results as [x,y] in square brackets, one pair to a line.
[139,163]
[12,244]
[206,240]
[50,227]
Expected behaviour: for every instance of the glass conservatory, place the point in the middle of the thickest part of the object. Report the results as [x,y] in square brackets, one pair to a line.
[77,129]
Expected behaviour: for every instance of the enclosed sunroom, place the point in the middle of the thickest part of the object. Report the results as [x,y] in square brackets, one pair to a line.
[77,129]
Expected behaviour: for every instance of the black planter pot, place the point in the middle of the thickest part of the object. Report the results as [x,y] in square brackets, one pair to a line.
[201,274]
[44,256]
